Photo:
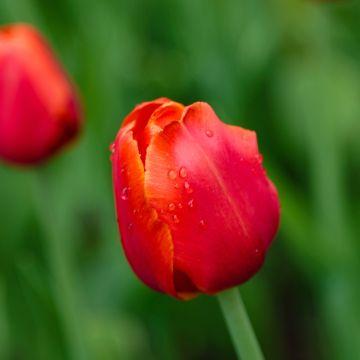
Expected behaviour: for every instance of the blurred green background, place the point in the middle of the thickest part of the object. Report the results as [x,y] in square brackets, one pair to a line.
[289,70]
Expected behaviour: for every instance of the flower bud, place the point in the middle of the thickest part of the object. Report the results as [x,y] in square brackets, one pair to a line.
[39,111]
[195,209]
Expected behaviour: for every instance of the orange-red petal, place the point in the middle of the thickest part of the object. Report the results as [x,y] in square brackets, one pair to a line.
[146,240]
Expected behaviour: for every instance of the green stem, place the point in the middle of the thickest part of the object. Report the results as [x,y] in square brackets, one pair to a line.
[59,265]
[237,320]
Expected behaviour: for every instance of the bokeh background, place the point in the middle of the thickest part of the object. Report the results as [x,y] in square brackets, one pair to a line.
[289,69]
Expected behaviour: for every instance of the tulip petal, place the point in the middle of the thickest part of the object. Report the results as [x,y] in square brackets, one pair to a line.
[221,209]
[146,240]
[28,130]
[138,119]
[161,117]
[141,113]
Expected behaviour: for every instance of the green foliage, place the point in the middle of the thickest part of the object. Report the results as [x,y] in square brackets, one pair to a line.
[289,70]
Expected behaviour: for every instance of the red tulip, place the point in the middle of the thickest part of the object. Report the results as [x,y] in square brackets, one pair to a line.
[195,209]
[38,108]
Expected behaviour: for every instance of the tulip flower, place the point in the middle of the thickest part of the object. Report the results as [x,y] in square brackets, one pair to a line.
[39,111]
[196,210]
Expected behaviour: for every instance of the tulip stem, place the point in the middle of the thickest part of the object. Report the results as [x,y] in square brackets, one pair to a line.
[239,326]
[58,262]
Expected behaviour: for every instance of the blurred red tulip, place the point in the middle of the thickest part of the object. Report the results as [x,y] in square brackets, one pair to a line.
[39,112]
[195,208]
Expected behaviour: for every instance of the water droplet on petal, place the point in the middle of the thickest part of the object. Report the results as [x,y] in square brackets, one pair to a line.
[135,211]
[112,148]
[175,219]
[187,187]
[209,133]
[172,206]
[182,172]
[172,174]
[176,186]
[130,226]
[191,203]
[180,206]
[122,170]
[125,193]
[203,224]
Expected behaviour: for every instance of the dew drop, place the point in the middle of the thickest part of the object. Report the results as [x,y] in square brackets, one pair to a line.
[176,186]
[187,187]
[135,211]
[175,219]
[125,193]
[112,148]
[130,226]
[172,174]
[180,206]
[209,133]
[257,251]
[182,172]
[172,206]
[191,203]
[202,224]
